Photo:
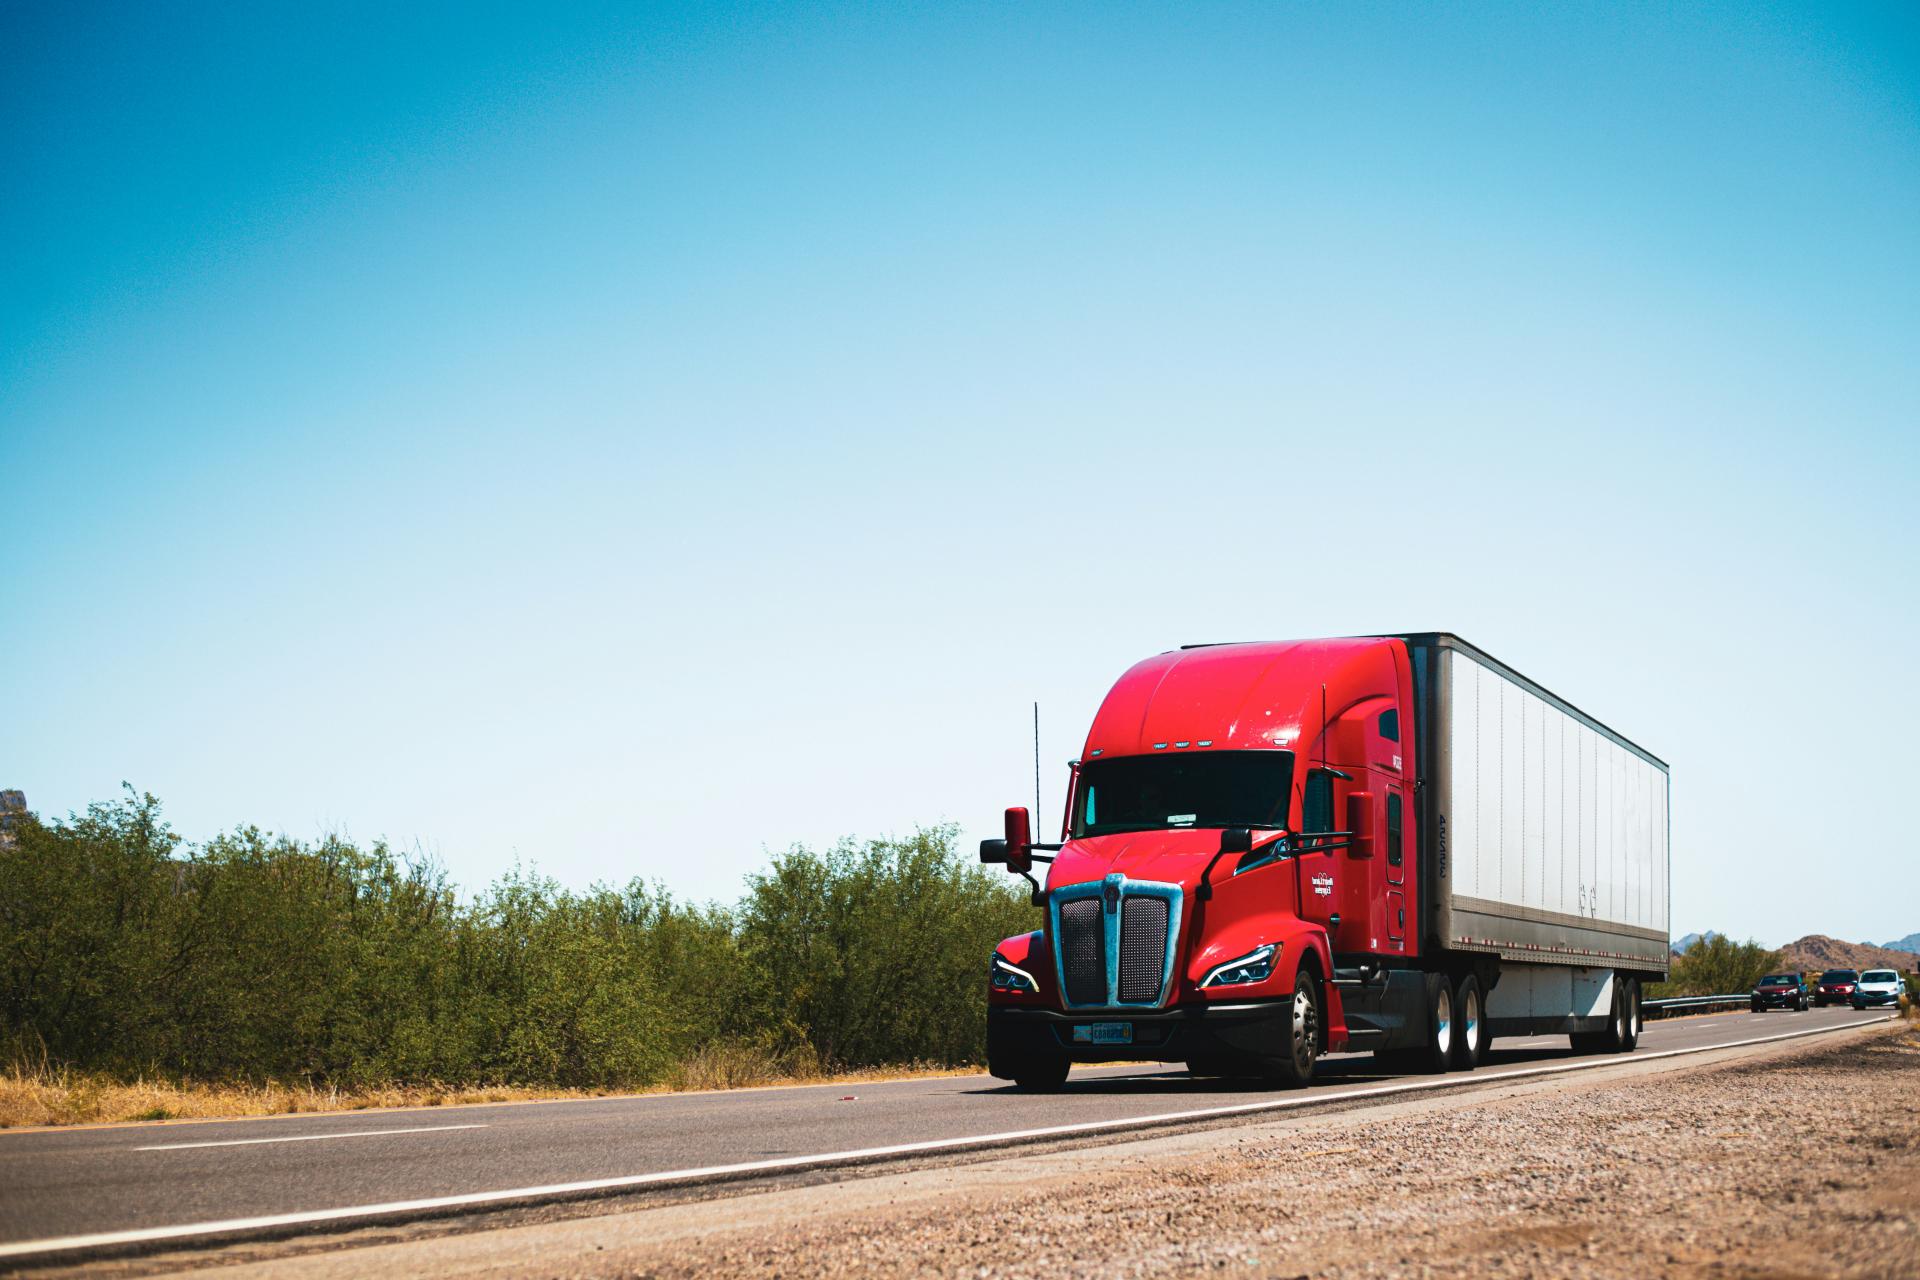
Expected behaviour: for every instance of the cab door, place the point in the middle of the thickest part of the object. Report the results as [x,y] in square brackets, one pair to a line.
[1316,861]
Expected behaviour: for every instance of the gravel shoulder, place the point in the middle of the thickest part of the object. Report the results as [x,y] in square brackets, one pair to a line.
[1796,1161]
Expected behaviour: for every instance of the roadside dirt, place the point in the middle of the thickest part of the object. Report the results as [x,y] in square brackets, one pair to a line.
[1800,1165]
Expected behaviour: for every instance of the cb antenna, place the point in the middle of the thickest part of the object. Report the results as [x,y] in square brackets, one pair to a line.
[1036,762]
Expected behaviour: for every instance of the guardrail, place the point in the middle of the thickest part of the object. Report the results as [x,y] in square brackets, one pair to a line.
[1655,1009]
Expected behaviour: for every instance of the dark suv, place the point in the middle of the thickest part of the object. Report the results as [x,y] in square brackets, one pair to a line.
[1835,987]
[1779,991]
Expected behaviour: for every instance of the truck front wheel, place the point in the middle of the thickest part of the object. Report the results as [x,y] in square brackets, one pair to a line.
[1301,1051]
[1025,1060]
[1040,1075]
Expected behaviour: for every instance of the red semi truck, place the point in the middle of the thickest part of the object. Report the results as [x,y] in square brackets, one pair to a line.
[1276,851]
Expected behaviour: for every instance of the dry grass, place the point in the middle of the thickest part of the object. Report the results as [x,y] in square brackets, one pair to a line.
[72,1097]
[36,1095]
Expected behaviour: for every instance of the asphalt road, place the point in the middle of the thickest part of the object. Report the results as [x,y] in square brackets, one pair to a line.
[58,1184]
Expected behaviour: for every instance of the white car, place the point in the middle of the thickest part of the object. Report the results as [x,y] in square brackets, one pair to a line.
[1877,986]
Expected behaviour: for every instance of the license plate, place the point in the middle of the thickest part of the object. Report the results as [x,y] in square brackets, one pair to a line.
[1104,1033]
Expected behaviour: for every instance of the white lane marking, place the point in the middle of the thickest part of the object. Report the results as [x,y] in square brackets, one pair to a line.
[147,1235]
[309,1137]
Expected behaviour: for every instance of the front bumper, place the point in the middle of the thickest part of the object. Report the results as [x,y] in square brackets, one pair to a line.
[1864,998]
[1777,999]
[1249,1029]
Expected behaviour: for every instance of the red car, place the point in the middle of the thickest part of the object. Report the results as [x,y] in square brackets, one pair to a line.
[1835,987]
[1778,991]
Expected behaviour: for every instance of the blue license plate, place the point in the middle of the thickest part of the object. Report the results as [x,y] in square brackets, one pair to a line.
[1104,1033]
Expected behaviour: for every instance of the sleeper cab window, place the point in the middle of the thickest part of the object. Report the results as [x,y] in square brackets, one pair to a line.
[1390,724]
[1393,829]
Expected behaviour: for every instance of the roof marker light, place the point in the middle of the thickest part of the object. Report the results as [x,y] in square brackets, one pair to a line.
[1159,746]
[1206,742]
[1096,751]
[1183,744]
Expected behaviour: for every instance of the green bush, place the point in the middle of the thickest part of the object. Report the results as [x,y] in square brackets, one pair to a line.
[1716,966]
[253,957]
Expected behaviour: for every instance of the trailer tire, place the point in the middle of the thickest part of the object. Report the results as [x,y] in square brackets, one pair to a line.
[1631,1016]
[1298,1056]
[1614,1038]
[1470,1029]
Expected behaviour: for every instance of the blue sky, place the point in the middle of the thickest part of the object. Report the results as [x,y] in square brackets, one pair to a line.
[631,439]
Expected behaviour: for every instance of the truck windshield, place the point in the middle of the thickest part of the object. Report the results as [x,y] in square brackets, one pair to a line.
[1204,789]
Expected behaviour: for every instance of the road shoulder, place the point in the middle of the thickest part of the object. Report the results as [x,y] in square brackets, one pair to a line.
[1644,1169]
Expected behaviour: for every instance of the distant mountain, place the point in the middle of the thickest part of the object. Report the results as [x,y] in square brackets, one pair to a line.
[1681,943]
[1909,943]
[1816,951]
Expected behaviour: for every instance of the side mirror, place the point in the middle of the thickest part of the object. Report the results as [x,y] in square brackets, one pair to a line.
[1360,822]
[1233,840]
[1019,841]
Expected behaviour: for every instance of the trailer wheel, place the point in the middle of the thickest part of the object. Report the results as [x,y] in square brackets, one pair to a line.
[1470,1032]
[1301,1052]
[1630,1016]
[1614,1038]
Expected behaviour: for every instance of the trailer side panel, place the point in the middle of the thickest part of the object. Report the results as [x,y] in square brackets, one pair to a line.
[1554,827]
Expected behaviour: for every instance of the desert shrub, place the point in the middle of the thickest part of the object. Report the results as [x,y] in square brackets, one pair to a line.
[873,953]
[1716,966]
[257,957]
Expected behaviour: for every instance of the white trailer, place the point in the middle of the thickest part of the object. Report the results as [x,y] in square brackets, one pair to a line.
[1546,837]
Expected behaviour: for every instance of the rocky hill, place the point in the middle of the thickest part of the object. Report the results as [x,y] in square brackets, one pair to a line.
[1909,943]
[1817,951]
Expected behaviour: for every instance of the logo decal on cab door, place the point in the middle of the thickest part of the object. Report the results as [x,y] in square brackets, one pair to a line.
[1323,884]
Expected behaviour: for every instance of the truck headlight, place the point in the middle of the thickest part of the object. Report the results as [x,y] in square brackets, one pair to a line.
[1010,977]
[1255,966]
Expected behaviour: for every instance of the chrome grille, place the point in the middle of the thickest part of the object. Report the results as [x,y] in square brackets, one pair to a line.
[1143,948]
[1083,950]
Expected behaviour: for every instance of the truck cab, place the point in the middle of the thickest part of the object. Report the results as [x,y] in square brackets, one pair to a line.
[1239,825]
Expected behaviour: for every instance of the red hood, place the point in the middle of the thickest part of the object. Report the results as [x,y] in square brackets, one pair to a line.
[1172,857]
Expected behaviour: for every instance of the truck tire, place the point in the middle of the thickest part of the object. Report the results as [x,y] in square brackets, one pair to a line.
[1029,1067]
[1041,1074]
[1470,1030]
[1614,1038]
[1631,1016]
[1436,1055]
[1300,1052]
